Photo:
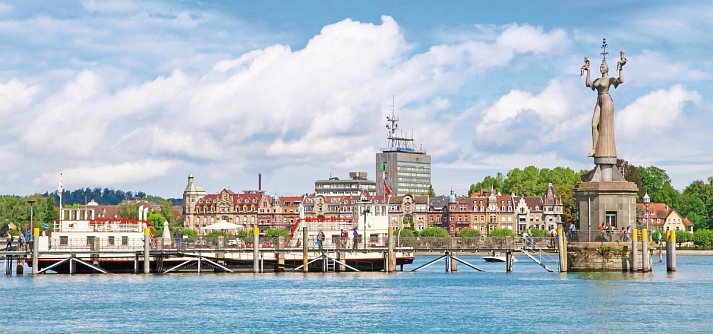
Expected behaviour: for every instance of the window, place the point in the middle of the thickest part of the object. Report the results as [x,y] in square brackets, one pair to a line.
[611,218]
[63,240]
[111,240]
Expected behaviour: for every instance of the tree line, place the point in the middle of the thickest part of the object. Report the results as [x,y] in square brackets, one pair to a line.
[695,201]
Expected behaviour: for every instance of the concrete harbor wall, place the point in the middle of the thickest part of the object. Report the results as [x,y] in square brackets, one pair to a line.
[604,256]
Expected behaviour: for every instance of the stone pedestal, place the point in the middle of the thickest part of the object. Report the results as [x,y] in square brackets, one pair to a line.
[612,202]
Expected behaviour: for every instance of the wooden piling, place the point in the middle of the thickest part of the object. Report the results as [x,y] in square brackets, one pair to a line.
[391,255]
[454,262]
[562,249]
[35,250]
[634,250]
[508,261]
[305,250]
[448,261]
[645,256]
[671,251]
[72,264]
[256,249]
[20,265]
[147,250]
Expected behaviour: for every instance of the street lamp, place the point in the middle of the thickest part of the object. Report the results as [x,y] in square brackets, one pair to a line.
[32,231]
[647,201]
[366,210]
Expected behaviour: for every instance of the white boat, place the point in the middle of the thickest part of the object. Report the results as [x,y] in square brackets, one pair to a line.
[497,258]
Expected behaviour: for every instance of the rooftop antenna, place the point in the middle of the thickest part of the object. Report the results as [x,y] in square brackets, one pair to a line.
[396,141]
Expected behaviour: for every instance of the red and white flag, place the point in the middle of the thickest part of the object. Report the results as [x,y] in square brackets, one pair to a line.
[387,189]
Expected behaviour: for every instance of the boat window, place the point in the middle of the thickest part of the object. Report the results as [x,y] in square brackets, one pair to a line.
[111,240]
[63,240]
[124,240]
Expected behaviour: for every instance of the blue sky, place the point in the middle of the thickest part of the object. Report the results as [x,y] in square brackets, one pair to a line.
[137,94]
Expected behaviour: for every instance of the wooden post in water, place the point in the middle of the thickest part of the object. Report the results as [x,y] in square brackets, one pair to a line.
[508,261]
[562,249]
[454,262]
[645,258]
[35,250]
[305,250]
[147,250]
[671,251]
[280,256]
[72,264]
[391,255]
[20,265]
[256,249]
[448,261]
[634,250]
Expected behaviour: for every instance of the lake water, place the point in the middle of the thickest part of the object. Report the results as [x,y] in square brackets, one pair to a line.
[528,300]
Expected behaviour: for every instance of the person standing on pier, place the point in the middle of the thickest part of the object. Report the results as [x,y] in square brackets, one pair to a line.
[320,239]
[355,243]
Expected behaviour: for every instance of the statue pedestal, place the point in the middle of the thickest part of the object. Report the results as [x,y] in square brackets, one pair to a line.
[612,202]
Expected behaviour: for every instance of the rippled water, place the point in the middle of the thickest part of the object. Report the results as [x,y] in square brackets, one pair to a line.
[528,300]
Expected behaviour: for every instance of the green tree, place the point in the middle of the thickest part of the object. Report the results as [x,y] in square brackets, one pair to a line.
[128,210]
[434,232]
[469,233]
[407,233]
[501,233]
[431,193]
[488,183]
[275,232]
[658,184]
[702,238]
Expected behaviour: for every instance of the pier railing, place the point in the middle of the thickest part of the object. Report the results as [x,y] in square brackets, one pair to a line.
[238,243]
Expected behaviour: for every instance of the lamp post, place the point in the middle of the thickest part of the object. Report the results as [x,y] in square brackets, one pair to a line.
[366,210]
[32,231]
[647,201]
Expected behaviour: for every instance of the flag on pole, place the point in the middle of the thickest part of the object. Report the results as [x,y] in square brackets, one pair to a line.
[387,189]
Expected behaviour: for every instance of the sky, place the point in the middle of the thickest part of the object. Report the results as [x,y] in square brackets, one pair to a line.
[135,95]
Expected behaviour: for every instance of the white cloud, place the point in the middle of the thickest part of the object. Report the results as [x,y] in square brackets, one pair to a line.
[111,175]
[16,96]
[521,116]
[654,113]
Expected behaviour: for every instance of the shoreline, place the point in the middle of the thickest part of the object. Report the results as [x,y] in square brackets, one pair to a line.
[686,252]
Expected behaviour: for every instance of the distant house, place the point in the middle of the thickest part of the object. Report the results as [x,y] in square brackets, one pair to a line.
[661,216]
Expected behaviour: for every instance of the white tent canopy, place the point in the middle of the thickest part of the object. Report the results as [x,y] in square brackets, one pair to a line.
[222,225]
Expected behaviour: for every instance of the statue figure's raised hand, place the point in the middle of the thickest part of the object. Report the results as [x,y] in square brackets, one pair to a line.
[622,60]
[584,67]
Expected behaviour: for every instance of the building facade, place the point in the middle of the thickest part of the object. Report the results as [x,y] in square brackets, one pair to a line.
[353,186]
[662,217]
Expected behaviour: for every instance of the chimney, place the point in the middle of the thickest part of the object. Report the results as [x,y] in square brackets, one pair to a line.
[259,182]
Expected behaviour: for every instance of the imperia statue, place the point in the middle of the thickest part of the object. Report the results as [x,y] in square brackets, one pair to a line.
[603,145]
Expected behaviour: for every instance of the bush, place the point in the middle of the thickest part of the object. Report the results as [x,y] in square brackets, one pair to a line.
[274,232]
[469,233]
[189,233]
[407,233]
[701,237]
[682,236]
[501,233]
[245,233]
[434,232]
[537,233]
